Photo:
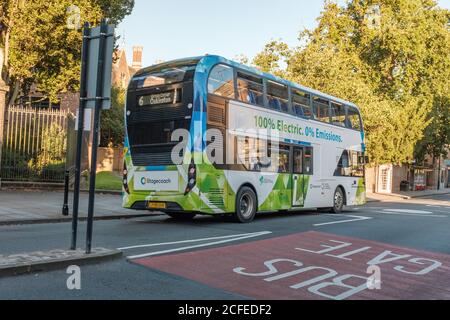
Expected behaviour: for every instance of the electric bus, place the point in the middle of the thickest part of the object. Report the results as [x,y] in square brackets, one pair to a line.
[249,142]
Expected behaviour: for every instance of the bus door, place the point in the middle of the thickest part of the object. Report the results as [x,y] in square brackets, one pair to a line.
[298,178]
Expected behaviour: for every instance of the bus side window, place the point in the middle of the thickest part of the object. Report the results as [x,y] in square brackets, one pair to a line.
[308,168]
[337,114]
[277,96]
[301,104]
[221,81]
[250,89]
[321,109]
[298,161]
[353,119]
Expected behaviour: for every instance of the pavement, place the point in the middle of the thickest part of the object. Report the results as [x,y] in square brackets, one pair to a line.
[305,255]
[39,261]
[21,207]
[405,194]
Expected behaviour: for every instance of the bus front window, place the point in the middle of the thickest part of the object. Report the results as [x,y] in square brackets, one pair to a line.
[159,102]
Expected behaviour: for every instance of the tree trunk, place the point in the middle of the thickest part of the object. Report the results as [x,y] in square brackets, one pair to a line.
[3,108]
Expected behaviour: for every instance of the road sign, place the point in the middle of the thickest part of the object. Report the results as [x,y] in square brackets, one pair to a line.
[93,65]
[95,93]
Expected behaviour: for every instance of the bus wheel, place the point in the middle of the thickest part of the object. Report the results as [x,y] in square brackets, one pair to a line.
[338,202]
[246,205]
[181,216]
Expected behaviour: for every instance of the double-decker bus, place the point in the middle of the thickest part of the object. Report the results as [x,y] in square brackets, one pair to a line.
[249,142]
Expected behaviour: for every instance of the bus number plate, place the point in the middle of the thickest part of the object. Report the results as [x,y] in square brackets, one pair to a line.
[157,205]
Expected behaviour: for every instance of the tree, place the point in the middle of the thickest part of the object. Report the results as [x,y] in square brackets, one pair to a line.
[38,46]
[390,57]
[436,142]
[112,121]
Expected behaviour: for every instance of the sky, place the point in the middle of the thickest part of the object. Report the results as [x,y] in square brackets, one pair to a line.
[171,29]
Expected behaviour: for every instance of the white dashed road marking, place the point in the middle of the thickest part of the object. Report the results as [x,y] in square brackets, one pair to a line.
[416,213]
[226,240]
[354,219]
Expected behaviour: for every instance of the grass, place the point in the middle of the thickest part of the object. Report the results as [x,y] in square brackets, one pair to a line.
[108,181]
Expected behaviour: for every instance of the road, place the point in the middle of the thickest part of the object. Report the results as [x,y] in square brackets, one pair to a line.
[305,255]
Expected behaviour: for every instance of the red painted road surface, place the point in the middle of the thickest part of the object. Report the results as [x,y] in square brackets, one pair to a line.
[314,265]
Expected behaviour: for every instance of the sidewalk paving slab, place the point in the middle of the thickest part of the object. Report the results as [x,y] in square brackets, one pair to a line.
[27,207]
[406,195]
[40,261]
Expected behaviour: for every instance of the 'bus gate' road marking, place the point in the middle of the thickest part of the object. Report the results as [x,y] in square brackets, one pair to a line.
[227,239]
[313,265]
[355,218]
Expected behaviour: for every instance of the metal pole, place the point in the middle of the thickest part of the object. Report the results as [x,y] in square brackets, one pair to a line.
[65,209]
[439,174]
[95,138]
[83,85]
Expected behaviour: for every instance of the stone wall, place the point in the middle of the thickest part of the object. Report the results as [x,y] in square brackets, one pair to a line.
[109,159]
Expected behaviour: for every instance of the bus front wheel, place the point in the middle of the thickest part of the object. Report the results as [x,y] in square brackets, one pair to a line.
[246,205]
[338,201]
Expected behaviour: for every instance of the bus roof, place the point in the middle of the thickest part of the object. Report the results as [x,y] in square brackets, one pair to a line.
[211,60]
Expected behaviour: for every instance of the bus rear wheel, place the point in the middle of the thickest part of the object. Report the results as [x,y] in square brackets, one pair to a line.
[338,201]
[246,205]
[181,216]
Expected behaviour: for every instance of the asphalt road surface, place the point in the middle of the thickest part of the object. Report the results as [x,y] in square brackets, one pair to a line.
[402,248]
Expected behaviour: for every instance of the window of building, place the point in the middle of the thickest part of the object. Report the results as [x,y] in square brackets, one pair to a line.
[301,103]
[338,114]
[250,89]
[353,119]
[277,96]
[321,109]
[221,81]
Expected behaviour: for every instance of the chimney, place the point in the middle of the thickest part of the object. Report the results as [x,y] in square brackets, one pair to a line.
[137,57]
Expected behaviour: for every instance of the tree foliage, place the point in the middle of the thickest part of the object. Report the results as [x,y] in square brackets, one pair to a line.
[39,46]
[113,121]
[390,57]
[436,141]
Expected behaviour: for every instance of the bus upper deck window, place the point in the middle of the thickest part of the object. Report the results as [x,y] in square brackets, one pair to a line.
[337,114]
[250,89]
[353,120]
[301,104]
[321,109]
[278,96]
[221,81]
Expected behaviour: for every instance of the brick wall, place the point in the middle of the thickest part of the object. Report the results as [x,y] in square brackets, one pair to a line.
[109,159]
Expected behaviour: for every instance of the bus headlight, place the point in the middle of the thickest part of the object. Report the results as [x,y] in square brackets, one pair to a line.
[192,178]
[125,179]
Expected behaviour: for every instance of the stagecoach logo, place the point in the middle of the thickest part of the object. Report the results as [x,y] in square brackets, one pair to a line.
[153,99]
[264,180]
[145,181]
[156,181]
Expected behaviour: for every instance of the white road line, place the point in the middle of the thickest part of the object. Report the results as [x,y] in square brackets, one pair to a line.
[194,240]
[407,211]
[413,214]
[197,246]
[355,218]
